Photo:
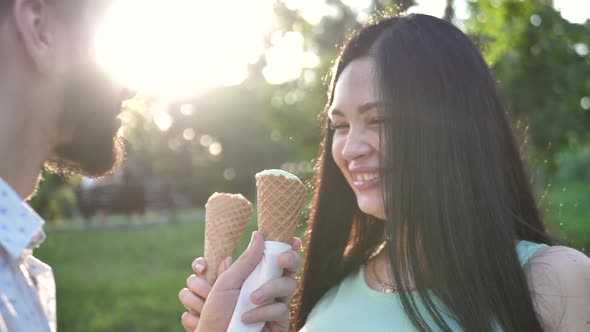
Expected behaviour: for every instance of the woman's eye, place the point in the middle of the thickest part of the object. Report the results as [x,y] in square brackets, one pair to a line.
[377,121]
[338,125]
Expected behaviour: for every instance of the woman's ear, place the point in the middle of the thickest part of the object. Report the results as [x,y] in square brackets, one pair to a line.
[32,22]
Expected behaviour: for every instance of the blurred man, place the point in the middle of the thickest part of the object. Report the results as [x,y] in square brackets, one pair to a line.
[56,110]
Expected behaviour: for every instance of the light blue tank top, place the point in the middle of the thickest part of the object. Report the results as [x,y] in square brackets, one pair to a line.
[353,306]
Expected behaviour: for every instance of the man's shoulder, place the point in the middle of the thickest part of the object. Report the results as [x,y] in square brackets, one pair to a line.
[559,279]
[563,263]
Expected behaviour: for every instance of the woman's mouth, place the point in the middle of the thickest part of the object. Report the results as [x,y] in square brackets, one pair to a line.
[365,181]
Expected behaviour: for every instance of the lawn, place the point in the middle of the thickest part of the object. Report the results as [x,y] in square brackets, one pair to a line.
[127,279]
[124,279]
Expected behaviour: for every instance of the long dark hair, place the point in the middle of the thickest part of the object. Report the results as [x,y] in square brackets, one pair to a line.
[456,193]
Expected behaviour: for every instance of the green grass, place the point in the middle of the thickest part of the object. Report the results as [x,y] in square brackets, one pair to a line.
[124,279]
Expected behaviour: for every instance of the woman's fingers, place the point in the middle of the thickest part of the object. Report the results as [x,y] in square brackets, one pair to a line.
[283,287]
[223,266]
[189,321]
[221,301]
[296,244]
[191,301]
[274,312]
[198,285]
[200,266]
[235,275]
[290,262]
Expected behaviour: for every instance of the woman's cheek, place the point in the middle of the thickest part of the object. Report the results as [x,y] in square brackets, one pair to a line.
[374,140]
[337,146]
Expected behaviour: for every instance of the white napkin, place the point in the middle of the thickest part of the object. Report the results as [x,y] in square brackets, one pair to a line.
[267,269]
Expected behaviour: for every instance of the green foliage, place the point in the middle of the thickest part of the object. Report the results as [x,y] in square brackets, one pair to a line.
[229,118]
[55,198]
[574,165]
[566,207]
[295,107]
[542,64]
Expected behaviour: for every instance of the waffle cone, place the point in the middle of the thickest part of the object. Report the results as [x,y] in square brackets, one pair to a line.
[226,216]
[280,201]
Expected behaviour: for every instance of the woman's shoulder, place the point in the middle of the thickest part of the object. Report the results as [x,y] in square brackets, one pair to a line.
[559,278]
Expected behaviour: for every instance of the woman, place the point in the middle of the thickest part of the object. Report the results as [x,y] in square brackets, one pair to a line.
[423,217]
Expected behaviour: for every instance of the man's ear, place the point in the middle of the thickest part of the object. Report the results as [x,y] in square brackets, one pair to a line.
[32,21]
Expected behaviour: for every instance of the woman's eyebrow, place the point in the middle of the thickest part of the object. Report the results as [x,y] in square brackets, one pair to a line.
[363,108]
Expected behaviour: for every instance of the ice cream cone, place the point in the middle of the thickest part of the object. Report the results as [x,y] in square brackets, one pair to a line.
[226,216]
[280,201]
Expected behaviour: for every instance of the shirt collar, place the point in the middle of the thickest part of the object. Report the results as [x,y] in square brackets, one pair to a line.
[20,227]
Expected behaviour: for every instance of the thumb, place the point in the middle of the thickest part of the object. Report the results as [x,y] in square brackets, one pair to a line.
[235,275]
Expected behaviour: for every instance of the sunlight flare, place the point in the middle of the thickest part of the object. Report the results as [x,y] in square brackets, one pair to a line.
[179,48]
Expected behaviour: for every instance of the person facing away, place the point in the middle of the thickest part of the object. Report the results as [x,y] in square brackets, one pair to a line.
[423,216]
[58,110]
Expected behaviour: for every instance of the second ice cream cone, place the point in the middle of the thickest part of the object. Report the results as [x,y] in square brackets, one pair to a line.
[280,200]
[226,216]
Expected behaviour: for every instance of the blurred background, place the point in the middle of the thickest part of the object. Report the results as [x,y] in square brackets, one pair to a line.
[229,88]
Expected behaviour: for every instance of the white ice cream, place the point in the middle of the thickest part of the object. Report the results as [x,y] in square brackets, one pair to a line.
[231,196]
[277,172]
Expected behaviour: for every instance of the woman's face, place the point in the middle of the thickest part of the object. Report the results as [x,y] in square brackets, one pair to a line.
[356,121]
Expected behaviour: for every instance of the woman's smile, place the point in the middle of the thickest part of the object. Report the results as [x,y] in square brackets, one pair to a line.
[365,180]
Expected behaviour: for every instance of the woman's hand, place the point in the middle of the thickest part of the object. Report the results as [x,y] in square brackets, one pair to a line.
[210,309]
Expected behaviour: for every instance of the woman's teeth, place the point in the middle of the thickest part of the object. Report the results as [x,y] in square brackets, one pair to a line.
[360,177]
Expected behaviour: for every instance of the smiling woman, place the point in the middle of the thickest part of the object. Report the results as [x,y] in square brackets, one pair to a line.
[179,48]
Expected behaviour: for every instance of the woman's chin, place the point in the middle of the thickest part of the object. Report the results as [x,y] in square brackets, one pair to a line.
[372,210]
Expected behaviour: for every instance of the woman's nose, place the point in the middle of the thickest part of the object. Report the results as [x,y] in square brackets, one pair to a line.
[355,146]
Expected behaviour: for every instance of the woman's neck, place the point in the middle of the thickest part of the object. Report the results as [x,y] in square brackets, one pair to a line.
[378,271]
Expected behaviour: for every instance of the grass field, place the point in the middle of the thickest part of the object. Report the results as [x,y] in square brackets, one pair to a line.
[127,279]
[124,279]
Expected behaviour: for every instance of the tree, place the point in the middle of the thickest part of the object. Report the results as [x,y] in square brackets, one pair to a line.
[542,64]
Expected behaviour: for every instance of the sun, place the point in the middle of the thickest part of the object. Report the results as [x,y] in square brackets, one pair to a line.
[180,48]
